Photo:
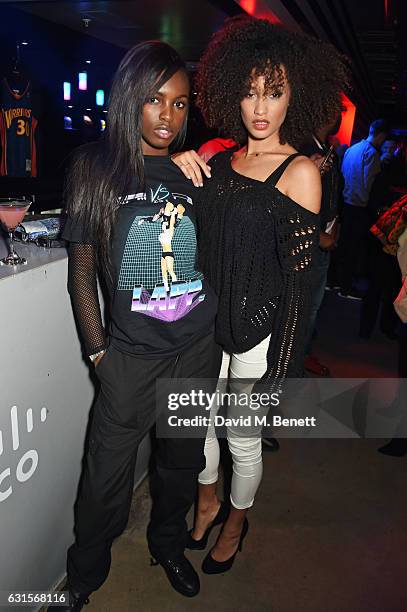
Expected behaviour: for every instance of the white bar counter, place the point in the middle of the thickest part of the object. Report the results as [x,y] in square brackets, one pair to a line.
[46,394]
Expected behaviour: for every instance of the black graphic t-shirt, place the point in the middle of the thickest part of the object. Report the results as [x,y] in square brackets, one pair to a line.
[160,300]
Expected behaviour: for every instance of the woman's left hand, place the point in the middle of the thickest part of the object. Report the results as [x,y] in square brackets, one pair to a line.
[192,165]
[327,242]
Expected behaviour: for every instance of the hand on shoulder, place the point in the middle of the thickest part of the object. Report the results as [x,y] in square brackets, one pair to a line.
[192,166]
[303,183]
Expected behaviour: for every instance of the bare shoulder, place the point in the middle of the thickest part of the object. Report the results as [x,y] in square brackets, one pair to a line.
[303,167]
[303,183]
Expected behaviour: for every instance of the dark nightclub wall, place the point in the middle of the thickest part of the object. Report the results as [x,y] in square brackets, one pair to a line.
[54,54]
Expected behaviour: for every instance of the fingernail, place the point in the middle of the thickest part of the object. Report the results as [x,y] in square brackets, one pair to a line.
[200,184]
[188,177]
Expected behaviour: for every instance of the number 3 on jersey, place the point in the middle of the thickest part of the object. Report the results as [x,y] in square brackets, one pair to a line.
[23,127]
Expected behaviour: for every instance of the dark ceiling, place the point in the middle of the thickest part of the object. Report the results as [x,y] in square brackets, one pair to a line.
[372,33]
[185,24]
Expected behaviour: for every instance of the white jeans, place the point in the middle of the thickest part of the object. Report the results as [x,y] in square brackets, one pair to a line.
[246,451]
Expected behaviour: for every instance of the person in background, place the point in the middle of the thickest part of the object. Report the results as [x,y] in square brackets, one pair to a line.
[388,150]
[383,194]
[318,149]
[361,164]
[340,151]
[383,272]
[397,446]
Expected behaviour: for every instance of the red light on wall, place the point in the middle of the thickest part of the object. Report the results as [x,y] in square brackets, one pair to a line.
[344,134]
[259,9]
[249,6]
[388,12]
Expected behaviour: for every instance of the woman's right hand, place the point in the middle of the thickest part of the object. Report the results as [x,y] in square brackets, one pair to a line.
[99,359]
[192,165]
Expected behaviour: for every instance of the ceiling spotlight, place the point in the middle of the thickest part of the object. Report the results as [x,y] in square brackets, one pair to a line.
[88,109]
[70,106]
[24,42]
[88,61]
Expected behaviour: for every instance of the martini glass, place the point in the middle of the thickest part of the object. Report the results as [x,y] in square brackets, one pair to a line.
[12,212]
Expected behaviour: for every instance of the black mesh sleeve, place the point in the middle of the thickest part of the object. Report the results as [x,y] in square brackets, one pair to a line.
[297,235]
[82,287]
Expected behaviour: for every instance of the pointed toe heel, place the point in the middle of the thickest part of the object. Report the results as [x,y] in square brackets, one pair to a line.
[211,566]
[202,543]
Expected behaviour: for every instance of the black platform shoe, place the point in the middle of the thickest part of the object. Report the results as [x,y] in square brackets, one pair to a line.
[76,601]
[219,518]
[210,566]
[397,447]
[181,574]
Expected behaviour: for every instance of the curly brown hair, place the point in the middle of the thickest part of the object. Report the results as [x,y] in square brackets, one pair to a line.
[316,72]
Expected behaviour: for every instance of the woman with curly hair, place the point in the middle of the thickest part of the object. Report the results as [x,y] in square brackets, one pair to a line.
[269,90]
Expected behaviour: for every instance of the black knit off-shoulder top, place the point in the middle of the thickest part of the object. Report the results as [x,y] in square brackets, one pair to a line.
[256,249]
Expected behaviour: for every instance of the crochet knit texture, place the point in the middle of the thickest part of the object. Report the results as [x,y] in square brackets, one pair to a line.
[256,247]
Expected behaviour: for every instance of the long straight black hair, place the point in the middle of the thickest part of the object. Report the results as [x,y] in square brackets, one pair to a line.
[101,173]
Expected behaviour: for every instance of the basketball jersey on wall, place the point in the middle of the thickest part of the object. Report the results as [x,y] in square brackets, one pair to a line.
[18,127]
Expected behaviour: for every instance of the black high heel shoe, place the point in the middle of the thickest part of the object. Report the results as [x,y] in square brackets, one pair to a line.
[201,544]
[210,566]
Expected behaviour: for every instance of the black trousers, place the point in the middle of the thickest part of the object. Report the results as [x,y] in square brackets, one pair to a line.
[352,247]
[124,412]
[402,361]
[384,284]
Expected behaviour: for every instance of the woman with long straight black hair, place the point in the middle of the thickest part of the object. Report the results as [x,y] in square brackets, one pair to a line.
[131,218]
